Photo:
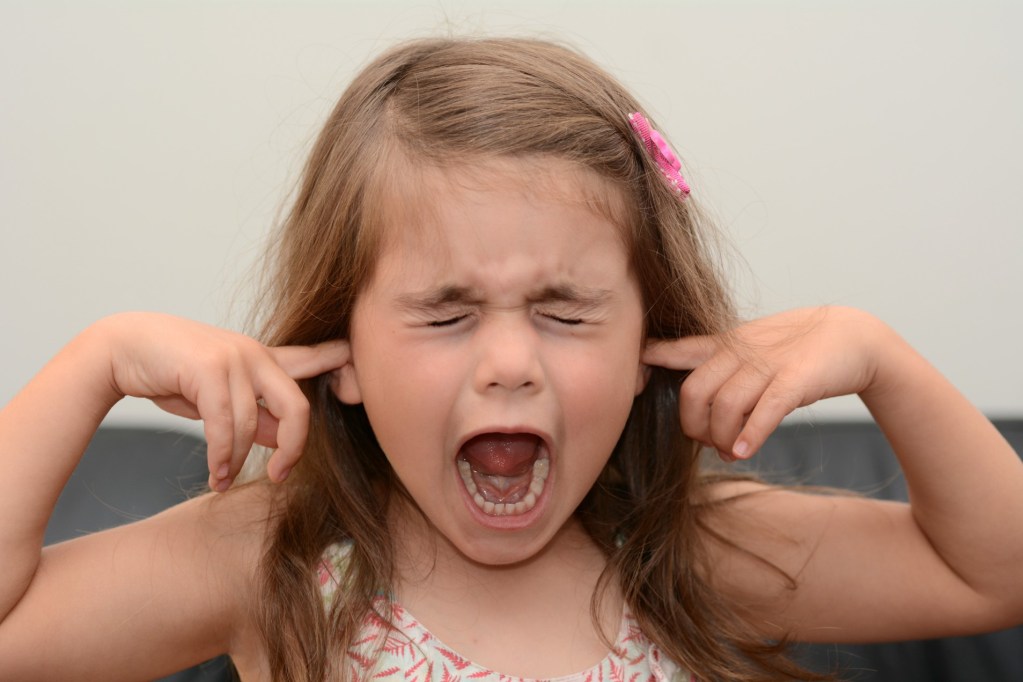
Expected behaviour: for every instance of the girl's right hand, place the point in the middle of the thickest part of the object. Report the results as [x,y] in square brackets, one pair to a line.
[244,392]
[172,589]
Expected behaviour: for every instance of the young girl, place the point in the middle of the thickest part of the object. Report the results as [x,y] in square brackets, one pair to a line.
[485,466]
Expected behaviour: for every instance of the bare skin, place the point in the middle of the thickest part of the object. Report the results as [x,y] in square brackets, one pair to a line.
[959,539]
[171,590]
[156,596]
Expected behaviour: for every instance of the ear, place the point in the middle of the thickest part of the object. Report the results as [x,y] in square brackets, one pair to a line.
[344,383]
[642,377]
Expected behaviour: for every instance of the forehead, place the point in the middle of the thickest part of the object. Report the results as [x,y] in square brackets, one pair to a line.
[426,206]
[500,231]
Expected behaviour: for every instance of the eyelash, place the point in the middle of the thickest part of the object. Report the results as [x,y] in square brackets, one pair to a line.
[562,320]
[448,322]
[451,321]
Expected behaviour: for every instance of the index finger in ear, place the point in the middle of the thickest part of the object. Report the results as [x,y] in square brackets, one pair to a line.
[304,362]
[686,353]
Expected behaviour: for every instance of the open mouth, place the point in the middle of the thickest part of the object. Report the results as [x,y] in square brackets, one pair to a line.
[505,473]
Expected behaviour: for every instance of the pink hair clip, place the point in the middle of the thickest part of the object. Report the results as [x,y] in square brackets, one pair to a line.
[661,153]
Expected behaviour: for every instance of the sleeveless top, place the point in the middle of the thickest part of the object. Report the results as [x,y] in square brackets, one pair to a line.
[402,650]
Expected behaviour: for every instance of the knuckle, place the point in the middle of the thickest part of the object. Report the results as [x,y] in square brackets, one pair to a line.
[691,391]
[249,423]
[781,396]
[302,407]
[296,408]
[209,355]
[729,400]
[245,345]
[220,420]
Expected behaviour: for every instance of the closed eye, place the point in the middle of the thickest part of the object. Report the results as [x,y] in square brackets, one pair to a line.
[448,322]
[564,320]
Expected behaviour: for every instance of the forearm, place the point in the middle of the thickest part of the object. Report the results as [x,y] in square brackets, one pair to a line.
[965,482]
[43,432]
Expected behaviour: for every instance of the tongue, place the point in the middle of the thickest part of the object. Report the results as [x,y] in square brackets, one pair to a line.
[502,454]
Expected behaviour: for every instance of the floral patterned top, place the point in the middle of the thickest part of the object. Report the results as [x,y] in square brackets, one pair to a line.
[411,653]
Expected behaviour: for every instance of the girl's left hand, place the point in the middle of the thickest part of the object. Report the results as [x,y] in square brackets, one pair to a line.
[743,383]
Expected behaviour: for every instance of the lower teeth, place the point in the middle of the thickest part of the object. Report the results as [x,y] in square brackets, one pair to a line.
[541,469]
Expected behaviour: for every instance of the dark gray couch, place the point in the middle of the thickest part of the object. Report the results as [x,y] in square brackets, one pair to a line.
[130,473]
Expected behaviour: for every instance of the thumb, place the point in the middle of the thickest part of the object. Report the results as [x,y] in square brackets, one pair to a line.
[680,354]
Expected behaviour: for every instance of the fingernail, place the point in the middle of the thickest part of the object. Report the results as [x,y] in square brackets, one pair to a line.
[223,471]
[282,476]
[223,485]
[740,449]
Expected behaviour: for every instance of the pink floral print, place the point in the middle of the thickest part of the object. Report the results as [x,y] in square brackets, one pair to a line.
[397,648]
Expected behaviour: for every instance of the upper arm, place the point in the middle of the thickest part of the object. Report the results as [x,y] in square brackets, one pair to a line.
[141,600]
[835,568]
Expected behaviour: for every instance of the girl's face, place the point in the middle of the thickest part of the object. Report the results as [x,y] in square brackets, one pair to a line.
[496,350]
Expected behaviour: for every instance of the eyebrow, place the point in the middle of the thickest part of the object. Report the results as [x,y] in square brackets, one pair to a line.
[448,294]
[570,293]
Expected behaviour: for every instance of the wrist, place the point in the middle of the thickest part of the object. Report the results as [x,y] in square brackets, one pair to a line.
[92,355]
[892,361]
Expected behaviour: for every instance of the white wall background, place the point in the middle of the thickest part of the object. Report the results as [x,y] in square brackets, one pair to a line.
[862,153]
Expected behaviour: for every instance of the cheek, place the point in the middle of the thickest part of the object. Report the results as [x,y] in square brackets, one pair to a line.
[407,392]
[598,389]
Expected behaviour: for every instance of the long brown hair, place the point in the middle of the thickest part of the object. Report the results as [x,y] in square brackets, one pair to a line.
[449,101]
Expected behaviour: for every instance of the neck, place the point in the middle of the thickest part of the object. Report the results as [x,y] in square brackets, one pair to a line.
[546,597]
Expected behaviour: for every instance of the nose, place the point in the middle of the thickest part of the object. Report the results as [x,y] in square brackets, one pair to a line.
[508,355]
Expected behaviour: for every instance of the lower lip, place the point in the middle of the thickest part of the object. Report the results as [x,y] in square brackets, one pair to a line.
[510,522]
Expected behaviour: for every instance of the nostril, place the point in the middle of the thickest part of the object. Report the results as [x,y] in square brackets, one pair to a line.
[501,384]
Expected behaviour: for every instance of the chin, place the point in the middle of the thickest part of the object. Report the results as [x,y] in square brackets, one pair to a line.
[487,547]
